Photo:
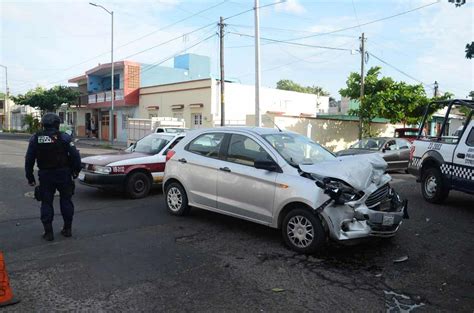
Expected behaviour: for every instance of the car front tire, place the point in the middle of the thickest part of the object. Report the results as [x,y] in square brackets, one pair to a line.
[137,185]
[176,199]
[433,187]
[303,231]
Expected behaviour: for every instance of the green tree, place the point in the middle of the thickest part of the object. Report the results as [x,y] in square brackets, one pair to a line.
[371,104]
[286,84]
[403,103]
[48,100]
[470,50]
[32,123]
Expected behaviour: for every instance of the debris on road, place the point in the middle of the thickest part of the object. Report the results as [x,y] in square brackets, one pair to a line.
[401,259]
[278,289]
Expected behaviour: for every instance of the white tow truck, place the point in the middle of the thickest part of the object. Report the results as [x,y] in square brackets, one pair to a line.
[445,161]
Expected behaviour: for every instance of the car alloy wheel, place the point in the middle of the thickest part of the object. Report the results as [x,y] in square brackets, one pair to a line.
[300,231]
[175,199]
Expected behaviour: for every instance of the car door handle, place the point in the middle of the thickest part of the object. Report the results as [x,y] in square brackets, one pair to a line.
[461,155]
[182,160]
[225,169]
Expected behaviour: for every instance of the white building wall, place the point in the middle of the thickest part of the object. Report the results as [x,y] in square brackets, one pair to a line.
[240,102]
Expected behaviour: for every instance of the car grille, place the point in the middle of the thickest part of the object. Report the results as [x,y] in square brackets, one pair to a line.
[377,196]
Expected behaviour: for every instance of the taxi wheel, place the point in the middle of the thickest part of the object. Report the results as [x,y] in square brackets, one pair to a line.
[138,185]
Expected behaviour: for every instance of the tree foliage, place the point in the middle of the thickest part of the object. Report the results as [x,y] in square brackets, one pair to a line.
[32,123]
[286,84]
[470,50]
[398,102]
[48,100]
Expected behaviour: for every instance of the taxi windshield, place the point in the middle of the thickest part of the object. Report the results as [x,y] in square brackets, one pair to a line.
[151,144]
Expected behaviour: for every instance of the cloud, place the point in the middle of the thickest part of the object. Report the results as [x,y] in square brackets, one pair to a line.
[290,6]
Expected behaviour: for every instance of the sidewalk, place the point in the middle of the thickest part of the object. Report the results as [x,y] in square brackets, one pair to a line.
[101,143]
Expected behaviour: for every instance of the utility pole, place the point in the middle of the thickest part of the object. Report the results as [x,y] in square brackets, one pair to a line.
[221,46]
[111,116]
[5,96]
[257,65]
[362,72]
[436,85]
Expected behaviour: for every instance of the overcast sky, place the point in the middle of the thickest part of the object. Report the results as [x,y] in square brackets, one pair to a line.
[46,42]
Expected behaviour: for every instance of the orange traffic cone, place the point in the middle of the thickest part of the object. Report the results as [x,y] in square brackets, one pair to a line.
[6,294]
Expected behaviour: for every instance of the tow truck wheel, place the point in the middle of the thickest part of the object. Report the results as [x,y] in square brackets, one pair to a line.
[303,231]
[138,185]
[433,187]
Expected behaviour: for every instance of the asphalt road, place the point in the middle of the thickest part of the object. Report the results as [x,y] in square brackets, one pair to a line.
[131,255]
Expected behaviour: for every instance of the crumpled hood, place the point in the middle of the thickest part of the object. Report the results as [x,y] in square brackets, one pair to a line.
[359,171]
[105,159]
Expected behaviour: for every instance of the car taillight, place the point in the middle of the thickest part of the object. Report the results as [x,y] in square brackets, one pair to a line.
[169,155]
[412,152]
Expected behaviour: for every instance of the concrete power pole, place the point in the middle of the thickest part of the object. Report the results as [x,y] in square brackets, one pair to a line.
[436,85]
[221,46]
[257,65]
[362,72]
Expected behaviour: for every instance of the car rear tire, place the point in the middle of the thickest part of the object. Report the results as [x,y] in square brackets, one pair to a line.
[137,185]
[176,199]
[433,188]
[303,231]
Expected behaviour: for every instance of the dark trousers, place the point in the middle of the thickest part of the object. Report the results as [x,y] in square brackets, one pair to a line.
[50,181]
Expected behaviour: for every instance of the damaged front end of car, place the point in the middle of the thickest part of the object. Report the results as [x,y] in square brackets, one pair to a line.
[360,203]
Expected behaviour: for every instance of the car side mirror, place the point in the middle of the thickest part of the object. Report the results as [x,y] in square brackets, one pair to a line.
[267,165]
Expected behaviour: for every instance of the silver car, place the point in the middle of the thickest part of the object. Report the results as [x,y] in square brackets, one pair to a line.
[283,180]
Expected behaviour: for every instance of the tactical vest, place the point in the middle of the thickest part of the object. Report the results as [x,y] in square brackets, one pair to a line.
[51,151]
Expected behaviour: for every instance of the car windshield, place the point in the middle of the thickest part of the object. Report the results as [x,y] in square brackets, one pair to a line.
[297,149]
[151,144]
[369,144]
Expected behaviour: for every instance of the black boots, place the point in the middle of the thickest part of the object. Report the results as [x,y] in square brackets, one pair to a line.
[48,232]
[66,232]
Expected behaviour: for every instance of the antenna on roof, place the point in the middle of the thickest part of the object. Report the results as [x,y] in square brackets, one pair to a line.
[273,122]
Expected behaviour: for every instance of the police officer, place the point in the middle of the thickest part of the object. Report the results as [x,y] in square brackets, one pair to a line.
[59,162]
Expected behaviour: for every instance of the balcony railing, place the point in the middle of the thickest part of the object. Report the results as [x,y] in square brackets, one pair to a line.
[105,96]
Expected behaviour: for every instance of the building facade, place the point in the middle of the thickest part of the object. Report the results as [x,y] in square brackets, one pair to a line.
[198,102]
[91,114]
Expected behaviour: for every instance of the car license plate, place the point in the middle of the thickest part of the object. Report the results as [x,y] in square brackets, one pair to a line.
[81,176]
[387,220]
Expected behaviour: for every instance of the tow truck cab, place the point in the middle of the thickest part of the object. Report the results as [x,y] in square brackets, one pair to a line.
[445,161]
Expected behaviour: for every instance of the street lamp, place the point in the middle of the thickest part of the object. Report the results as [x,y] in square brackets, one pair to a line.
[111,113]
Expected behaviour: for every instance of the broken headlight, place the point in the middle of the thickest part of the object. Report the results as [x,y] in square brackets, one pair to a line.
[338,190]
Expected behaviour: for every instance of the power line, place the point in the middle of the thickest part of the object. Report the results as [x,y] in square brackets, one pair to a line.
[292,43]
[399,70]
[366,23]
[249,10]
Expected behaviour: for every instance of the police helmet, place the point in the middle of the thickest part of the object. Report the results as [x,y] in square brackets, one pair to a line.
[51,120]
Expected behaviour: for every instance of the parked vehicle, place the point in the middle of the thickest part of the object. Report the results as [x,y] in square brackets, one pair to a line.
[137,128]
[283,180]
[135,169]
[395,151]
[409,133]
[442,163]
